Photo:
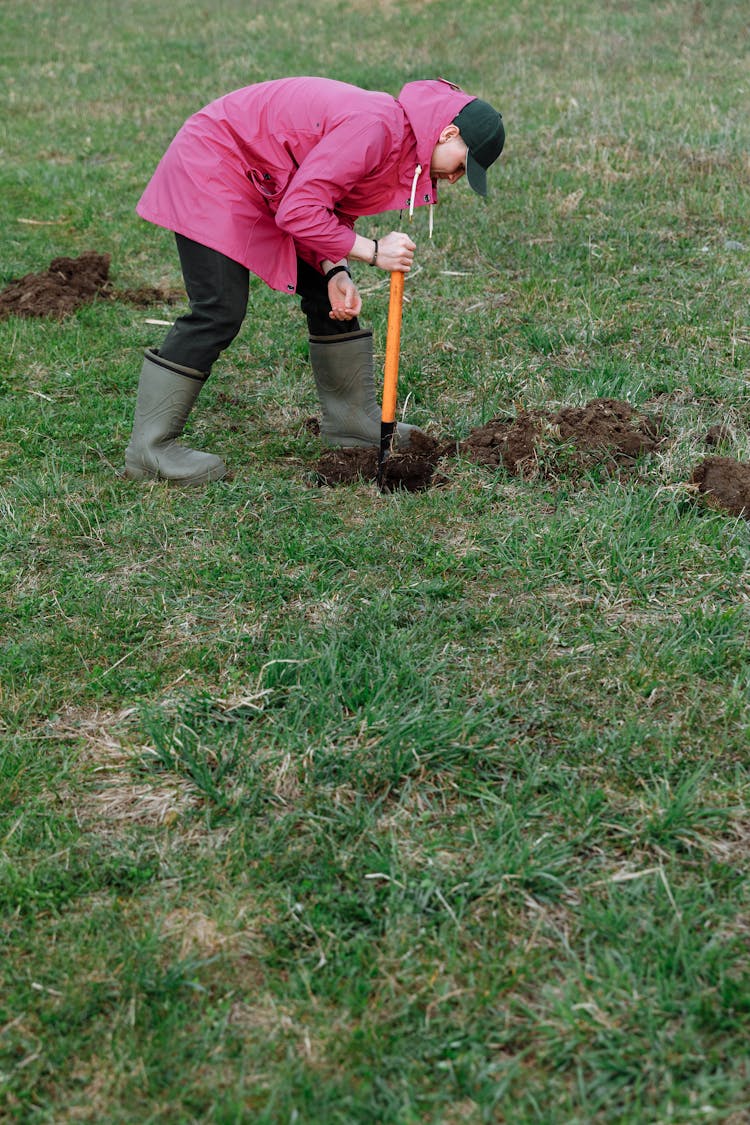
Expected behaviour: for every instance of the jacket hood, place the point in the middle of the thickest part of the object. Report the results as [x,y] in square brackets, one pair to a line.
[429,106]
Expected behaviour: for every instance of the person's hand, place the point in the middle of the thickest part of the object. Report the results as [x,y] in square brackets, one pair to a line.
[396,252]
[343,294]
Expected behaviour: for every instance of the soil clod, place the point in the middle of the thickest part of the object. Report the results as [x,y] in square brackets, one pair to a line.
[724,484]
[511,444]
[146,296]
[718,435]
[57,291]
[68,283]
[412,469]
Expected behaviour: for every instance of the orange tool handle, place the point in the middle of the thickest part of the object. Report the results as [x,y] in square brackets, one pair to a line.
[392,347]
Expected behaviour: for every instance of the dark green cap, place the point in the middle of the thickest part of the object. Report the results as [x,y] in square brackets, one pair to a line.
[481,127]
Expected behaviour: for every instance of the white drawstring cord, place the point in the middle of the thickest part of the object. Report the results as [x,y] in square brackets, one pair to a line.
[417,174]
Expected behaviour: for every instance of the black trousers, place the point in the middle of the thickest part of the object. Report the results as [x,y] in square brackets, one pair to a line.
[217,289]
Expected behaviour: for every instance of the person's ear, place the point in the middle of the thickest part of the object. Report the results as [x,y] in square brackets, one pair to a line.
[448,133]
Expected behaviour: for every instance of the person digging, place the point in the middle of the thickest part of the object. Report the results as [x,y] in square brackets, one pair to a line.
[270,179]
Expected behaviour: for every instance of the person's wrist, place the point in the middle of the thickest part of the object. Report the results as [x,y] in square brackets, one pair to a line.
[374,258]
[336,270]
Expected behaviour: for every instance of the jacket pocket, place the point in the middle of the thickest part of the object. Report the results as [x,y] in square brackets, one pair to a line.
[270,186]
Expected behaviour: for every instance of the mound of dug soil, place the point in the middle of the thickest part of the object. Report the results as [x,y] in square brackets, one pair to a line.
[145,296]
[724,484]
[532,444]
[412,470]
[68,283]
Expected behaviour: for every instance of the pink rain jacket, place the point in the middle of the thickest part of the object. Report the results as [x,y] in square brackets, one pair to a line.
[285,168]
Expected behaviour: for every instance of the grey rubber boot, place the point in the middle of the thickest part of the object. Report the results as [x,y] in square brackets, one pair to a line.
[343,369]
[166,394]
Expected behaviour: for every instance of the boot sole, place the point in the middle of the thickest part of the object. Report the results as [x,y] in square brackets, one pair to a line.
[357,443]
[350,443]
[136,472]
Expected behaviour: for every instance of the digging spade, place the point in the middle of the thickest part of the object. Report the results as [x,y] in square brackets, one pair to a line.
[390,380]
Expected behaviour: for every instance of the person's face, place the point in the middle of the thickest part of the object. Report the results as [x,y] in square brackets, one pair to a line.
[449,156]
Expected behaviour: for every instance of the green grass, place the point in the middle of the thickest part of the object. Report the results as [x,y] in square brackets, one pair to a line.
[327,807]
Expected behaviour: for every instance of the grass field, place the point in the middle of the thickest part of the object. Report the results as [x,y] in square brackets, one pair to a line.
[323,806]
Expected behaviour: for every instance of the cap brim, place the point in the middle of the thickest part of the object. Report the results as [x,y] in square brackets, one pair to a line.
[476,175]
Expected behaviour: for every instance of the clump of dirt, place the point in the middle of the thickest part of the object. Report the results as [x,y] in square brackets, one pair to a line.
[509,443]
[718,435]
[534,443]
[68,283]
[412,469]
[146,296]
[609,423]
[724,484]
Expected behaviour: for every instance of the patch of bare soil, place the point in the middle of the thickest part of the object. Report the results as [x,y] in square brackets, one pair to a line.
[511,444]
[68,283]
[146,296]
[603,430]
[57,291]
[412,470]
[724,484]
[534,443]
